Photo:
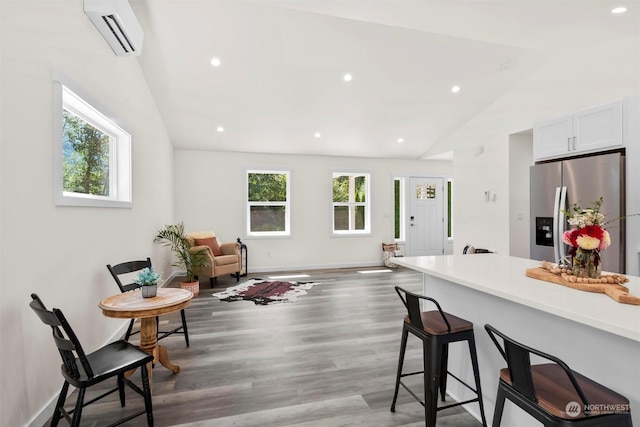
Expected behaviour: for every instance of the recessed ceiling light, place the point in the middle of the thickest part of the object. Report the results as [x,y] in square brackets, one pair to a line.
[317,135]
[347,77]
[400,140]
[620,9]
[220,129]
[215,62]
[455,89]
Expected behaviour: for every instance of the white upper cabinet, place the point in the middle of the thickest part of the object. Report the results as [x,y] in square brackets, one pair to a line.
[587,131]
[552,138]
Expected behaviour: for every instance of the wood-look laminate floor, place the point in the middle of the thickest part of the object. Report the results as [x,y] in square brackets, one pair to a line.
[328,359]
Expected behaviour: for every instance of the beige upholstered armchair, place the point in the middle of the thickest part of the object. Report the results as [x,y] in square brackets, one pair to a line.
[223,258]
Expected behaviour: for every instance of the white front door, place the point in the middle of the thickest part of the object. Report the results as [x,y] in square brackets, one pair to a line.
[425,216]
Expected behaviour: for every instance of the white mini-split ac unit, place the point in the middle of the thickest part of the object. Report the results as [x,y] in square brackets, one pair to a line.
[118,25]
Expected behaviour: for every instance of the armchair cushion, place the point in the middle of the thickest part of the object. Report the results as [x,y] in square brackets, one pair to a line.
[225,260]
[212,242]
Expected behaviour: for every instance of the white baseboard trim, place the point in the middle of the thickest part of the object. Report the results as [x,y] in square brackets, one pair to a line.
[314,267]
[274,269]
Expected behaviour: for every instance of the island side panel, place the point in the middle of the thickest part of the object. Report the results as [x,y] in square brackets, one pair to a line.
[607,358]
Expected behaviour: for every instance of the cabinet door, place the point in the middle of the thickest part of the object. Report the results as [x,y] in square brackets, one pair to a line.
[552,138]
[598,128]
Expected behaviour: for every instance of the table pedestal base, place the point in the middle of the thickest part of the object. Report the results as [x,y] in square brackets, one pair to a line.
[128,305]
[149,344]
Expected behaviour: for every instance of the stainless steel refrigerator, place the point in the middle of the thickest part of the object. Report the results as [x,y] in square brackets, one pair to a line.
[558,185]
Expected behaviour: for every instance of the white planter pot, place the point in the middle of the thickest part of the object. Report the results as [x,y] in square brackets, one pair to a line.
[149,291]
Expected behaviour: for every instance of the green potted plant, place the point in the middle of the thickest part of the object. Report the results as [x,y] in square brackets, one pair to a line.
[173,235]
[148,281]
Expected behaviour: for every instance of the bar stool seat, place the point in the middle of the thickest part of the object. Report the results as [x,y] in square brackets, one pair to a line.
[434,324]
[553,393]
[437,330]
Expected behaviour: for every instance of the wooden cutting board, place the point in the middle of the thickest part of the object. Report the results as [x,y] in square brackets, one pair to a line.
[617,292]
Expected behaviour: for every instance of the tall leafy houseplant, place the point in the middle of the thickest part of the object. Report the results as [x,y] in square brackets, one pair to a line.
[173,235]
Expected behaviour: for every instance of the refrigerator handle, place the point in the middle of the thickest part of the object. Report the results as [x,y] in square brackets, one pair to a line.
[561,225]
[556,215]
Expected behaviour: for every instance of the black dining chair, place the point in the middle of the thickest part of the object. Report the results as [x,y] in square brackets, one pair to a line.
[552,393]
[129,267]
[83,370]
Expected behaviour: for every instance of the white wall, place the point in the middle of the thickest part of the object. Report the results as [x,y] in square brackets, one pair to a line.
[568,83]
[210,196]
[60,252]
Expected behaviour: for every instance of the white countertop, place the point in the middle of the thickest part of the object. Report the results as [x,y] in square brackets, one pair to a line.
[504,277]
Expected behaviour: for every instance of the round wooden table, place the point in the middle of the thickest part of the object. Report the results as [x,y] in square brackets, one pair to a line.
[131,305]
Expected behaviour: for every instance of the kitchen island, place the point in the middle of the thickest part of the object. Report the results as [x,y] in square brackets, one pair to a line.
[591,332]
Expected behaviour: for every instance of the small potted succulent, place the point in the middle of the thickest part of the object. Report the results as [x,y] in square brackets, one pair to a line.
[148,281]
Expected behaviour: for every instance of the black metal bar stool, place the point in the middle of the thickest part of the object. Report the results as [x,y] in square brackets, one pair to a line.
[437,330]
[552,393]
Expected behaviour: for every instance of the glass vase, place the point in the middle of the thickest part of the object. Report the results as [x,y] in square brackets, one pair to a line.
[586,264]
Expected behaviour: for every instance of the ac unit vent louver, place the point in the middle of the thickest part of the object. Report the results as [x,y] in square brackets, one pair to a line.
[118,25]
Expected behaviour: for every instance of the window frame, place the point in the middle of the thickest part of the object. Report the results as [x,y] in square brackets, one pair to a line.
[120,176]
[399,215]
[366,204]
[448,207]
[249,204]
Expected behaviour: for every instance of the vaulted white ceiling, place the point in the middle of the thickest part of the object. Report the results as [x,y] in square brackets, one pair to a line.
[282,65]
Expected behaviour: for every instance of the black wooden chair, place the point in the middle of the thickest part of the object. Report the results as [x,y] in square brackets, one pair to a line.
[130,267]
[437,330]
[552,393]
[83,370]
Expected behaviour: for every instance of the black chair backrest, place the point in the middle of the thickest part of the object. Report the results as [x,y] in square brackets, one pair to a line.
[412,303]
[126,268]
[66,340]
[518,360]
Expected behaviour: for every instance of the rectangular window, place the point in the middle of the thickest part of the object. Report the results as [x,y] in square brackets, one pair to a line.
[268,203]
[86,161]
[351,203]
[398,208]
[93,155]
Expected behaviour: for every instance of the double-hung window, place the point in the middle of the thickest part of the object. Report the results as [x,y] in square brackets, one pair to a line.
[351,203]
[93,155]
[268,203]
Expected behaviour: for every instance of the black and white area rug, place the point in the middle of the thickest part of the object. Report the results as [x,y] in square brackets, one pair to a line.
[263,292]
